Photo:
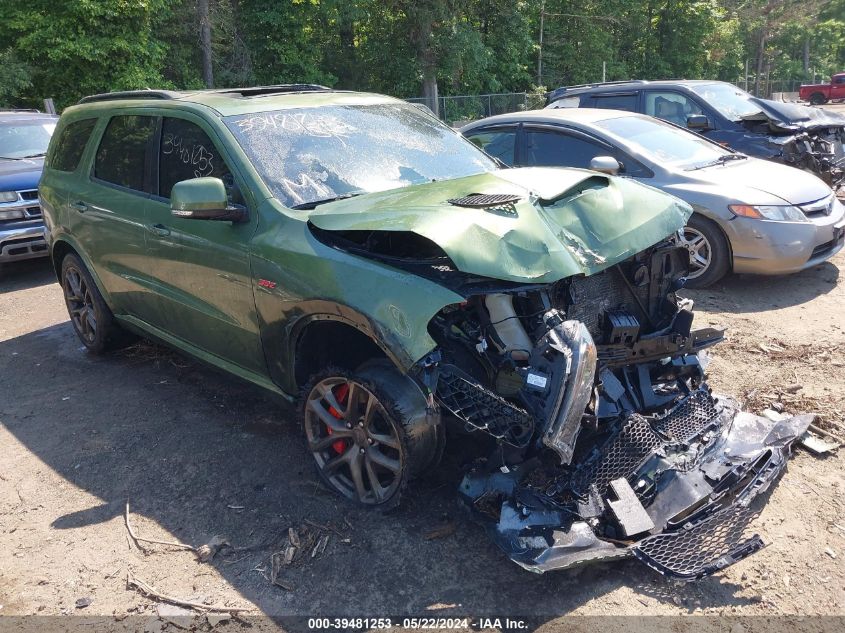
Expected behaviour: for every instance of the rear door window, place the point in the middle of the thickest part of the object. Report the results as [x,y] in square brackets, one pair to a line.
[546,148]
[70,145]
[499,143]
[187,152]
[121,156]
[616,102]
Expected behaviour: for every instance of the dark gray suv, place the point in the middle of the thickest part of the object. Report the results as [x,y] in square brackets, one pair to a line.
[805,137]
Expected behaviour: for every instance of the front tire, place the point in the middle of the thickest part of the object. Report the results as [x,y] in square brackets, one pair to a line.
[369,432]
[709,252]
[91,318]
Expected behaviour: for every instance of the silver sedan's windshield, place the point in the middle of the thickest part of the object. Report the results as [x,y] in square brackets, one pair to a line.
[308,155]
[663,143]
[731,102]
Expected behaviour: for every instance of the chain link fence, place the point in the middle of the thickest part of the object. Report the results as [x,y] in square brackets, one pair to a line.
[458,109]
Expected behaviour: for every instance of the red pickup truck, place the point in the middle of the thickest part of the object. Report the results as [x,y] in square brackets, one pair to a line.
[822,93]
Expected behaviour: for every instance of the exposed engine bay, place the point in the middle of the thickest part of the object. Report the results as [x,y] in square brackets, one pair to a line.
[608,441]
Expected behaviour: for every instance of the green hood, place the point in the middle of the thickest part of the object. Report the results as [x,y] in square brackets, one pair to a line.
[566,222]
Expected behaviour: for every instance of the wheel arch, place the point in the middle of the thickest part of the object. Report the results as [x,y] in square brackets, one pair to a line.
[62,247]
[333,339]
[700,212]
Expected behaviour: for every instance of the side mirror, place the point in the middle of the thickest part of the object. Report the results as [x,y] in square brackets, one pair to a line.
[698,122]
[606,165]
[203,199]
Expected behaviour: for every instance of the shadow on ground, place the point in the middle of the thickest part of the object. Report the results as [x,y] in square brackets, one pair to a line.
[757,293]
[28,273]
[183,442]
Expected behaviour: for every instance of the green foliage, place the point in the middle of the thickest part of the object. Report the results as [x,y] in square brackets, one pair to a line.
[14,78]
[68,48]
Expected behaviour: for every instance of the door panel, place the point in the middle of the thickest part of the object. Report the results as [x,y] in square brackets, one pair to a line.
[106,213]
[201,267]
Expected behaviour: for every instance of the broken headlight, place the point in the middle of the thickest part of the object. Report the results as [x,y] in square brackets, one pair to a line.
[782,213]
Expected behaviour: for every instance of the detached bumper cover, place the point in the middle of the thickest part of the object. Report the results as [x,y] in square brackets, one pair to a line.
[694,471]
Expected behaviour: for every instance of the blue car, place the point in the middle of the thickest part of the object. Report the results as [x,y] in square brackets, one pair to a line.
[24,136]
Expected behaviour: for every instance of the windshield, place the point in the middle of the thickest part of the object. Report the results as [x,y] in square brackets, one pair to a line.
[306,155]
[732,102]
[663,143]
[23,139]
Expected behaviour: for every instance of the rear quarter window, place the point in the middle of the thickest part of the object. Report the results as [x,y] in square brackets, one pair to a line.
[616,102]
[121,156]
[70,144]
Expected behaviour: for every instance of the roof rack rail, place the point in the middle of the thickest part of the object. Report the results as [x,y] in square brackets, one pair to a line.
[132,94]
[257,91]
[31,110]
[605,83]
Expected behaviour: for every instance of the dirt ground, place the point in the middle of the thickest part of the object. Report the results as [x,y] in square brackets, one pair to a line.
[197,454]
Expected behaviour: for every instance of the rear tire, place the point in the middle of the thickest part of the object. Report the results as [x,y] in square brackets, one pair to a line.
[817,98]
[709,252]
[369,432]
[91,318]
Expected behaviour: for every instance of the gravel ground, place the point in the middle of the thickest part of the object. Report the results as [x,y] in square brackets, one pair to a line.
[197,454]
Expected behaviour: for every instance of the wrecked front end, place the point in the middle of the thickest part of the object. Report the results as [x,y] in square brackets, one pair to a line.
[808,138]
[609,442]
[572,356]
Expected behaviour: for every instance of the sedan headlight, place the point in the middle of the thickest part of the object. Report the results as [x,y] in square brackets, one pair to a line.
[8,196]
[783,213]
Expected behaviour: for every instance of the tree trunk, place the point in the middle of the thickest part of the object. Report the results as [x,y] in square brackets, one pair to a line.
[205,39]
[761,53]
[807,56]
[430,92]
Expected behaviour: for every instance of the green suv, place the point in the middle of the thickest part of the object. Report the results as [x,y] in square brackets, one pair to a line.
[353,254]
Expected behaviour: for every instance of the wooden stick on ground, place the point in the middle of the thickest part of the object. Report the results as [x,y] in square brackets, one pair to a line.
[138,539]
[152,592]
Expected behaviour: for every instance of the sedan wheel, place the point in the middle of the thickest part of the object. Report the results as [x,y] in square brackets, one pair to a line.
[356,443]
[700,251]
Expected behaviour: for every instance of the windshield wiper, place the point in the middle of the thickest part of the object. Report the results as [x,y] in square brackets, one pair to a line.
[39,155]
[315,203]
[719,161]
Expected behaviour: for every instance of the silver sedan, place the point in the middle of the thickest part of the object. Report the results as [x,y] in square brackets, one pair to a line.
[751,215]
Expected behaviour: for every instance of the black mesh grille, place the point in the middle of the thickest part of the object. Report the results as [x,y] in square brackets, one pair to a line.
[483,409]
[703,548]
[689,418]
[621,457]
[480,200]
[31,194]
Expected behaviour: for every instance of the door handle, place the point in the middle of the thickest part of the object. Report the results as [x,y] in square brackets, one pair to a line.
[79,206]
[160,230]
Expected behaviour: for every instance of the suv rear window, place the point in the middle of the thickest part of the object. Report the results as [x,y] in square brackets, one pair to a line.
[70,145]
[121,157]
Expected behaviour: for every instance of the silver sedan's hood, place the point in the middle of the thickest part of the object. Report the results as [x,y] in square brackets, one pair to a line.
[754,181]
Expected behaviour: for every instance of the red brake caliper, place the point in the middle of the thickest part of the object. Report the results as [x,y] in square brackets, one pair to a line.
[341,393]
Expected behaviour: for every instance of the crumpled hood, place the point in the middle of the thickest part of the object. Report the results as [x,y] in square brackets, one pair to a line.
[793,116]
[566,221]
[16,175]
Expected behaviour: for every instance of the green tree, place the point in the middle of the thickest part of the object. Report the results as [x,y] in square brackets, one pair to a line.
[79,47]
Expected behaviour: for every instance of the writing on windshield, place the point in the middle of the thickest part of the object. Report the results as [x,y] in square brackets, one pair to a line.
[306,155]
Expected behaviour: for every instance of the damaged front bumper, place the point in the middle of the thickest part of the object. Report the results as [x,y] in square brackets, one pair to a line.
[674,490]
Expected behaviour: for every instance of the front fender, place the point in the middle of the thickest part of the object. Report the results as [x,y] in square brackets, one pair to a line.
[297,279]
